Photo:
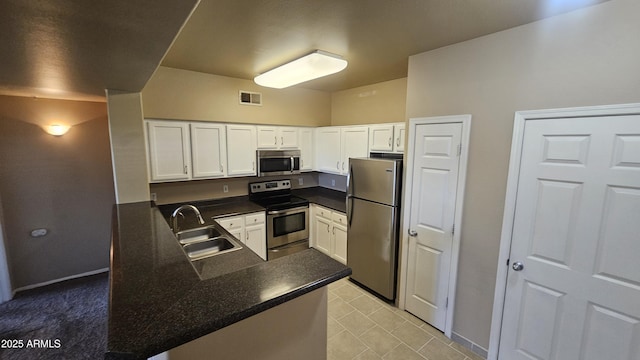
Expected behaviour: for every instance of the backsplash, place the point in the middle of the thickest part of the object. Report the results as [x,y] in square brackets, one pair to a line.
[331,181]
[183,191]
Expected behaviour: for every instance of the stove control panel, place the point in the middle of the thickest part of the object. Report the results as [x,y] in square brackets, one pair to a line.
[266,186]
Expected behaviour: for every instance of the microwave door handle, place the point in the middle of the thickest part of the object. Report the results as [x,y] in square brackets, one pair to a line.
[292,164]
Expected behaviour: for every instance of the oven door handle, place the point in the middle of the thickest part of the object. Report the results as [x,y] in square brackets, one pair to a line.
[287,211]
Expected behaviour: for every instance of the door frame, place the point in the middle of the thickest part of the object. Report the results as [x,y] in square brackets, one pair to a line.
[465,120]
[6,292]
[521,117]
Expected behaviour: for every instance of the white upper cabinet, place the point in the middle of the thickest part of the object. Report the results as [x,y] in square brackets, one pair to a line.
[241,150]
[354,144]
[208,150]
[169,150]
[328,149]
[381,137]
[288,137]
[399,135]
[267,137]
[307,150]
[335,145]
[277,137]
[387,137]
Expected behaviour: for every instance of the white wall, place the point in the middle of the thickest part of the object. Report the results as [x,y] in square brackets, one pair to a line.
[189,95]
[382,102]
[586,57]
[128,152]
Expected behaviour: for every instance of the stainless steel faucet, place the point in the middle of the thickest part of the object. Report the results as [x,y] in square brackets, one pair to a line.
[174,216]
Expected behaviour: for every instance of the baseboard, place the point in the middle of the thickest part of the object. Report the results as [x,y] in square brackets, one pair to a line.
[469,344]
[33,286]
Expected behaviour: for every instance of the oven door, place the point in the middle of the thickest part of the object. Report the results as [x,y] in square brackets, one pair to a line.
[278,162]
[287,226]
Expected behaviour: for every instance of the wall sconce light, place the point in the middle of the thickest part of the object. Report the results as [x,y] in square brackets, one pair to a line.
[312,66]
[57,129]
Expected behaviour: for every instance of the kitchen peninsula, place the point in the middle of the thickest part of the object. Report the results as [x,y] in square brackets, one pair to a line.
[159,300]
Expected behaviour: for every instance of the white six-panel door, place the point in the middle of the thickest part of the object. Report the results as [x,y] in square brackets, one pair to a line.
[432,209]
[573,283]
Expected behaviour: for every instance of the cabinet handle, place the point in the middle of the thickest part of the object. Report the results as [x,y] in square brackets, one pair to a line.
[253,165]
[334,231]
[343,166]
[186,169]
[390,142]
[338,165]
[398,141]
[282,140]
[275,140]
[221,167]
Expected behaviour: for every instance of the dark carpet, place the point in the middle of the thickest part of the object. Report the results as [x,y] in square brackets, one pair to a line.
[67,320]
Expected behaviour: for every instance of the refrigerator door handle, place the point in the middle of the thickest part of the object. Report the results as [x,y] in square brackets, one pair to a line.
[349,210]
[349,194]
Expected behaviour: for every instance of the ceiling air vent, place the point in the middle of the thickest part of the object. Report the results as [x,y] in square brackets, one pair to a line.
[250,98]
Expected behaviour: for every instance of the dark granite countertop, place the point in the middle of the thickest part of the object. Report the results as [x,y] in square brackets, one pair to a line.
[332,199]
[157,301]
[211,209]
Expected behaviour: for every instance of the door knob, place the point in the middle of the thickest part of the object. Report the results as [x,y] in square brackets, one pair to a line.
[517,266]
[413,233]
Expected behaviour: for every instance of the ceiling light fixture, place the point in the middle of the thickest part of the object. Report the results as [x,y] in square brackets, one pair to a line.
[312,66]
[57,129]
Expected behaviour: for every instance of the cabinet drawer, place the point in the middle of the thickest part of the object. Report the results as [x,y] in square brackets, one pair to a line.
[339,218]
[252,219]
[322,212]
[229,223]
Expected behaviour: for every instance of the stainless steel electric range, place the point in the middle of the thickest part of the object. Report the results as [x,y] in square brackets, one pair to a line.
[287,217]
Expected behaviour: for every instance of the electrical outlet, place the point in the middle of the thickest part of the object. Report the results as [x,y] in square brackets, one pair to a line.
[333,182]
[300,181]
[225,188]
[38,232]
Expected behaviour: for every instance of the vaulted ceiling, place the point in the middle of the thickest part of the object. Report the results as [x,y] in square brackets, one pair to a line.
[75,49]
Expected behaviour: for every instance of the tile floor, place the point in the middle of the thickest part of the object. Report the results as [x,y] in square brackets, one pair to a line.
[361,326]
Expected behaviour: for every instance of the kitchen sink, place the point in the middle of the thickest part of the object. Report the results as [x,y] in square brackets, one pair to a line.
[197,235]
[215,246]
[207,241]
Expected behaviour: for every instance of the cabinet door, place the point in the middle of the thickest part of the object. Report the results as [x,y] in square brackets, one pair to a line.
[399,133]
[355,143]
[307,150]
[208,150]
[241,150]
[381,138]
[328,149]
[340,243]
[288,138]
[234,225]
[268,137]
[322,228]
[256,239]
[169,150]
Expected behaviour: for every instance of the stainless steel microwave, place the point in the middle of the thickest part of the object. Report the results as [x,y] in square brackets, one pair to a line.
[278,162]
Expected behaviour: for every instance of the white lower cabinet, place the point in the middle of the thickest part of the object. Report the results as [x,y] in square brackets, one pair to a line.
[329,232]
[250,229]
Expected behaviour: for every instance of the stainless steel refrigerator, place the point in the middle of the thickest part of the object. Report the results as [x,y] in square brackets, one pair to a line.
[373,219]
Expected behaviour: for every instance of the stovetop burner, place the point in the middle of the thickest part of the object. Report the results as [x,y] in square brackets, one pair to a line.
[275,195]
